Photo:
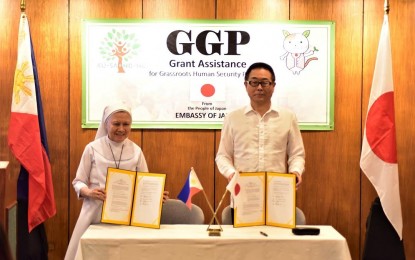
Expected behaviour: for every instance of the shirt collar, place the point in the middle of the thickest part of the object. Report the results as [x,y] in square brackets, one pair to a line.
[273,109]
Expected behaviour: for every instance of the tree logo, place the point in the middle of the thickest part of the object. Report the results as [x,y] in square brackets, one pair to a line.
[120,45]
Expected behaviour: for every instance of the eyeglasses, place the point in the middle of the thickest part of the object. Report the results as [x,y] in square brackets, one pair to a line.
[255,83]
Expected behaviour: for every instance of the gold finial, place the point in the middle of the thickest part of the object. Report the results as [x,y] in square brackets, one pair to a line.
[22,5]
[386,6]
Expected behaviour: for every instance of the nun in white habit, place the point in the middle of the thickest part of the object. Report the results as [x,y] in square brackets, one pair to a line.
[111,148]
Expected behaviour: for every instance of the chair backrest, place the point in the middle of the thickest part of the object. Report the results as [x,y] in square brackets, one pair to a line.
[227,219]
[299,217]
[226,216]
[174,212]
[196,215]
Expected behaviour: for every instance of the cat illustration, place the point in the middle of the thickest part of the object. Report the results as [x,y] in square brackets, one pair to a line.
[297,47]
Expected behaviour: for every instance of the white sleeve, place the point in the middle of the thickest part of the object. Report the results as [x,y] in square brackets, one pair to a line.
[224,157]
[84,170]
[141,164]
[295,149]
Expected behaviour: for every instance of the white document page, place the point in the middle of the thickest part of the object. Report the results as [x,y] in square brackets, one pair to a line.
[250,204]
[280,199]
[119,190]
[148,200]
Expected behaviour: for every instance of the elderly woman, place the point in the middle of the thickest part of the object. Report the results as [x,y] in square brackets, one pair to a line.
[111,148]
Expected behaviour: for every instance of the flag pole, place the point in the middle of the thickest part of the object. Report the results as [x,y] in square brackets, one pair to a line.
[210,206]
[386,7]
[214,213]
[204,193]
[22,6]
[221,200]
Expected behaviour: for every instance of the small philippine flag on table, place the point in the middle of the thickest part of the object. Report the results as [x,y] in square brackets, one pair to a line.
[190,188]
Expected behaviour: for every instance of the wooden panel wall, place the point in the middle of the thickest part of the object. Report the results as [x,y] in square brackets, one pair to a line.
[331,188]
[334,192]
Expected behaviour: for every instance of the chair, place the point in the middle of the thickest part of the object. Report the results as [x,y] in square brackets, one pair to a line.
[227,219]
[196,215]
[175,211]
[299,217]
[226,216]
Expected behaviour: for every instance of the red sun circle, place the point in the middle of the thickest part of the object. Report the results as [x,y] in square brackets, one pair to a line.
[380,128]
[237,189]
[207,90]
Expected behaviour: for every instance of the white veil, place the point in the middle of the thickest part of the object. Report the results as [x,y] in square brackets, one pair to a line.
[108,111]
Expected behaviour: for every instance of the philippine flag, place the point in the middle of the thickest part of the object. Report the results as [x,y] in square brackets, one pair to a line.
[27,134]
[190,188]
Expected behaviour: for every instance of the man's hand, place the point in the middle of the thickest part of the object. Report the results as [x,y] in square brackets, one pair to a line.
[298,179]
[230,177]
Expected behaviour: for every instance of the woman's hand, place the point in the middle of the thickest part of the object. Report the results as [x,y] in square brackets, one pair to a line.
[96,194]
[165,195]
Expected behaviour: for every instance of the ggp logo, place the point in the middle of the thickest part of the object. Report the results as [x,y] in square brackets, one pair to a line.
[201,42]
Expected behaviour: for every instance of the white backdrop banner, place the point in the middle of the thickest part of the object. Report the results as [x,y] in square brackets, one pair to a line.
[190,74]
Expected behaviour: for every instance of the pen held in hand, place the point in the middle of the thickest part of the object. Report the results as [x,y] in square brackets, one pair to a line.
[263,233]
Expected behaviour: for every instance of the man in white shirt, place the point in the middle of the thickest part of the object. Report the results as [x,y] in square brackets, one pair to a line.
[260,136]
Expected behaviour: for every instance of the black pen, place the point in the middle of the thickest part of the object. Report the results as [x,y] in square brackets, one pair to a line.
[263,233]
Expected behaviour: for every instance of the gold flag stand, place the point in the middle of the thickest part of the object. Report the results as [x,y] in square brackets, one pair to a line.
[216,231]
[213,231]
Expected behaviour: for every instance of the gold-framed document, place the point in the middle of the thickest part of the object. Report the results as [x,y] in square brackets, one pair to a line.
[133,198]
[249,208]
[265,198]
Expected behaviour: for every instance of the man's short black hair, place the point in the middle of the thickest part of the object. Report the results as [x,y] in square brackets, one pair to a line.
[260,65]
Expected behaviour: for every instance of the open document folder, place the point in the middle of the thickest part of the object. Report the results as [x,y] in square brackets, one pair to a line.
[133,198]
[265,198]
